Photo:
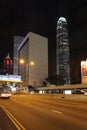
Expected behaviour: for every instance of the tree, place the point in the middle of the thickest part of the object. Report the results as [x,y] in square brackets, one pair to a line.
[31,88]
[55,79]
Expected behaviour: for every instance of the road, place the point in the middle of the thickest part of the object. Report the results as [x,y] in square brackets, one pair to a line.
[37,112]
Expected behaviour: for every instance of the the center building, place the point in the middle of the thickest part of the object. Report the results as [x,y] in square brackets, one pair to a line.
[33,59]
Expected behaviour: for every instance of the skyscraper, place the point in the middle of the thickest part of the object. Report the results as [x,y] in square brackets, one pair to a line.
[17,42]
[62,50]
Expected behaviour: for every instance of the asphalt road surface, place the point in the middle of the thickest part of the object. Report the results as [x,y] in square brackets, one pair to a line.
[36,112]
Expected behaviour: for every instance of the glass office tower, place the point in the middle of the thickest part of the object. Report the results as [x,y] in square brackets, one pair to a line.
[17,41]
[62,50]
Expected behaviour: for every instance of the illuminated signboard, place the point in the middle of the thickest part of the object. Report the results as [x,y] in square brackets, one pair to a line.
[84,68]
[10,77]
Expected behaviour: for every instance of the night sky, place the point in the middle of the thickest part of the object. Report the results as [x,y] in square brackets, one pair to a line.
[18,17]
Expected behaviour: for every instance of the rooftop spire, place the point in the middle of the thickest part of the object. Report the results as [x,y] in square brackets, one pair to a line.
[8,57]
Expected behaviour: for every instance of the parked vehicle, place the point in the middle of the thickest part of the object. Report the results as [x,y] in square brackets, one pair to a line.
[77,91]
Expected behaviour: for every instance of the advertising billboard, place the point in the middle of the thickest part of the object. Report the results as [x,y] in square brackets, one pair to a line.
[84,71]
[84,68]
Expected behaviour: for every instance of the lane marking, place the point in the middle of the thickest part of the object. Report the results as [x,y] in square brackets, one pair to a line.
[12,118]
[59,112]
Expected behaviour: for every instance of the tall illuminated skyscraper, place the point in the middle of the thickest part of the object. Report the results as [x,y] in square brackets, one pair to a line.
[62,50]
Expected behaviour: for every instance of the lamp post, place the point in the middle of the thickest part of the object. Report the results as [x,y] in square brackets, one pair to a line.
[21,63]
[21,66]
[25,67]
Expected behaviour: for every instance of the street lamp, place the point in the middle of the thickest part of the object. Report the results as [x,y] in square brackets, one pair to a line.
[25,68]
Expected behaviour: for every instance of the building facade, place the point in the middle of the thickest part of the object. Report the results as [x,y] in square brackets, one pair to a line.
[33,55]
[17,41]
[62,50]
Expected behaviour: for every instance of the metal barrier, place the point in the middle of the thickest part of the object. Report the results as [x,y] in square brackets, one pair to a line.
[8,121]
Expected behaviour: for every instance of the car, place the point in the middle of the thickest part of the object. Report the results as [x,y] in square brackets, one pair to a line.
[5,95]
[77,91]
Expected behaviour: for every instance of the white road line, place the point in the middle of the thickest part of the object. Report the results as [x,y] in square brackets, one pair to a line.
[59,112]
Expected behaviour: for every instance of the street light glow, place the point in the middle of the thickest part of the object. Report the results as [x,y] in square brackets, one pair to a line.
[21,61]
[32,63]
